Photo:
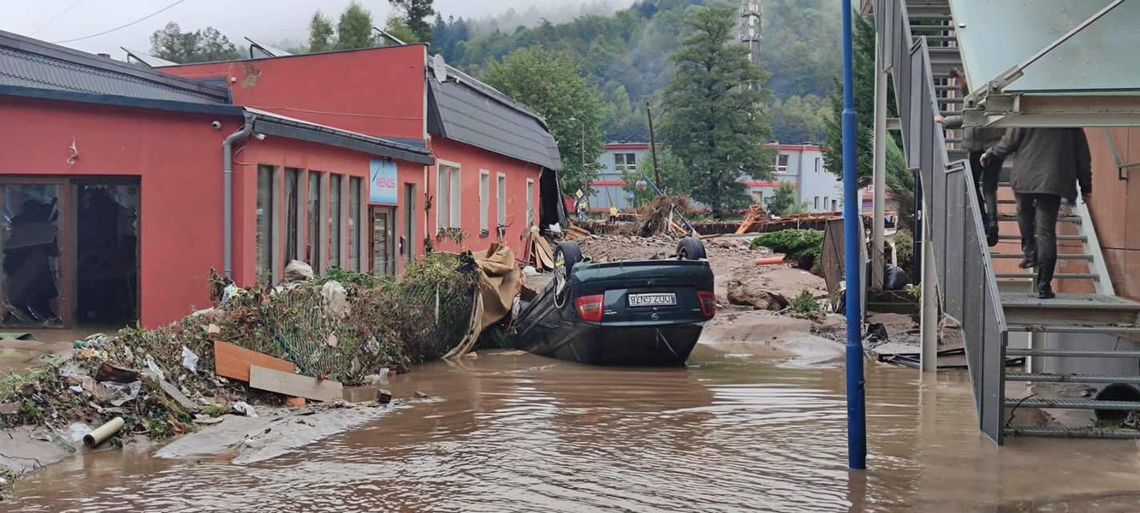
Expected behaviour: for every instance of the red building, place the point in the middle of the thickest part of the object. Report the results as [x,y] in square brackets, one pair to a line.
[117,181]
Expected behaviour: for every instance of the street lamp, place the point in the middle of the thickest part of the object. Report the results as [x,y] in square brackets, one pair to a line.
[582,140]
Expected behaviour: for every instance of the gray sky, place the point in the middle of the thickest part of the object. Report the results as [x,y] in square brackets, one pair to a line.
[268,21]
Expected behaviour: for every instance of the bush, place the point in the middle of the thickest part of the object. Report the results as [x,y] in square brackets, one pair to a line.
[806,306]
[904,251]
[801,246]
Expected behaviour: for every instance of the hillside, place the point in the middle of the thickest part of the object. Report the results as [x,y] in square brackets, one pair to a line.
[626,55]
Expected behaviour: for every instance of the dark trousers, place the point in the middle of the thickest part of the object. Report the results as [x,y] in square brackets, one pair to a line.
[986,178]
[1037,219]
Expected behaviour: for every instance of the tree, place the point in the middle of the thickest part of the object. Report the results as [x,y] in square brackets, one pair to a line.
[712,120]
[800,119]
[783,201]
[205,45]
[551,84]
[354,30]
[399,30]
[416,13]
[320,33]
[674,177]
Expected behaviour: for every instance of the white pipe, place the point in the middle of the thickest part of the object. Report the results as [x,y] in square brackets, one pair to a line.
[102,433]
[228,192]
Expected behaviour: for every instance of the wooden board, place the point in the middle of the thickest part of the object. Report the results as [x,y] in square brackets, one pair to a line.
[545,253]
[295,385]
[233,361]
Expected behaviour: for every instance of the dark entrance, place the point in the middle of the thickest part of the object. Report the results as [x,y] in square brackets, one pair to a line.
[107,252]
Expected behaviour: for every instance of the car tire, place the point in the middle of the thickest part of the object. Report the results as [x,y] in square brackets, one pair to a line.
[570,255]
[691,248]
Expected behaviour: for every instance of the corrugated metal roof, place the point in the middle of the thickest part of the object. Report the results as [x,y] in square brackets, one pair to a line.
[29,63]
[462,112]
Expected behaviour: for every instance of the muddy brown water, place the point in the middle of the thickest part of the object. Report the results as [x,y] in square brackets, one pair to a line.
[733,432]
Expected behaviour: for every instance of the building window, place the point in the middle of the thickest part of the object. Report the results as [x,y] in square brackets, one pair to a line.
[815,204]
[825,200]
[315,214]
[818,164]
[529,203]
[449,207]
[834,206]
[293,208]
[484,203]
[355,189]
[336,218]
[625,162]
[501,201]
[264,222]
[782,163]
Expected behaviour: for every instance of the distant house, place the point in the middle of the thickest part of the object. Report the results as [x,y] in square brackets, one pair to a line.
[799,165]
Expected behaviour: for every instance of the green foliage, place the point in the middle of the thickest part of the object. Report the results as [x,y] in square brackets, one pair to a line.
[712,120]
[806,306]
[800,119]
[904,251]
[354,30]
[802,246]
[446,37]
[674,177]
[415,15]
[783,201]
[399,29]
[801,48]
[206,45]
[320,33]
[552,85]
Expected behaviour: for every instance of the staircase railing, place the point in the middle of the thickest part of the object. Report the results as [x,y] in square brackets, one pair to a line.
[951,216]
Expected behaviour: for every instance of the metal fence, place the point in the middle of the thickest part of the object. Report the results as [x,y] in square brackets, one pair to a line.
[951,217]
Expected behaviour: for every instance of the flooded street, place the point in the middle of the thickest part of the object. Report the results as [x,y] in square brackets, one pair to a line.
[733,432]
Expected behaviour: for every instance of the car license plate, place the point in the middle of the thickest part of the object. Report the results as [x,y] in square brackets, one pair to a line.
[666,299]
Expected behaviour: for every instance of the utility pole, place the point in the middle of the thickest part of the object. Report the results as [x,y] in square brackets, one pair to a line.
[653,146]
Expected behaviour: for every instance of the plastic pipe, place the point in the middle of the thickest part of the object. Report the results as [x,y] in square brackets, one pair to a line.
[853,241]
[770,261]
[102,433]
[228,193]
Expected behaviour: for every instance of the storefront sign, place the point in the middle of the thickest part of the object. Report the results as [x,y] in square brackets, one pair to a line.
[383,182]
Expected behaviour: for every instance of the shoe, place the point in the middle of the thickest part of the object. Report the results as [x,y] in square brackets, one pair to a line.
[992,235]
[1046,292]
[1027,264]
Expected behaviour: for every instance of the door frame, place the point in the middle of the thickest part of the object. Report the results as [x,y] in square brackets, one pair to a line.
[393,256]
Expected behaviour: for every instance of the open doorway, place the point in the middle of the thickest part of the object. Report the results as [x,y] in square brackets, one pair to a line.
[107,252]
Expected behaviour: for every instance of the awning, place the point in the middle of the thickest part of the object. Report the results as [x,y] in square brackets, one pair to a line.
[1090,79]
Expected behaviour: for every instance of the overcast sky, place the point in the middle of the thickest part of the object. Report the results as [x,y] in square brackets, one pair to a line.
[273,21]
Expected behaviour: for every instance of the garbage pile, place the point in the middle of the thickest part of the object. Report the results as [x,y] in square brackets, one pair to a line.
[340,329]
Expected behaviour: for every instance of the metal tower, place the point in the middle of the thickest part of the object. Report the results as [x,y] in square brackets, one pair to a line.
[751,15]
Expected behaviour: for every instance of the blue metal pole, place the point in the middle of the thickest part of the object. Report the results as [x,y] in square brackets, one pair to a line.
[853,239]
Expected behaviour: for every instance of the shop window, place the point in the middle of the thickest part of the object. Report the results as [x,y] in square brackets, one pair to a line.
[336,219]
[448,201]
[315,212]
[265,239]
[354,192]
[293,208]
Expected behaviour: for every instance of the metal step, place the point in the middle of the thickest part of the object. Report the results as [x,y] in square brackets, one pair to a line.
[920,30]
[1081,238]
[1071,354]
[1072,403]
[1059,257]
[1058,276]
[1075,432]
[1070,378]
[1109,329]
[1063,219]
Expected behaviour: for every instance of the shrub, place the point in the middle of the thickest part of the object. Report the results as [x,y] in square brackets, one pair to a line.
[801,246]
[806,306]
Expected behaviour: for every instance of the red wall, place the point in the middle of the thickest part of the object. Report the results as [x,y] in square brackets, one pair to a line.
[179,160]
[472,161]
[377,91]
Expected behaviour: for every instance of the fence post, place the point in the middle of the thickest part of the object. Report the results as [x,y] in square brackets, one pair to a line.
[437,304]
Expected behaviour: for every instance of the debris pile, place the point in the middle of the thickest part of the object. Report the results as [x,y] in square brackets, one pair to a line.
[665,215]
[341,328]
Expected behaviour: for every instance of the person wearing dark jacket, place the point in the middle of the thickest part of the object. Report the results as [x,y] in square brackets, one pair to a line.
[1050,164]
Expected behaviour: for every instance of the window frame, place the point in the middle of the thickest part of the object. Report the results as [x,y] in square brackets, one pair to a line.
[501,202]
[449,213]
[484,203]
[784,158]
[530,217]
[265,223]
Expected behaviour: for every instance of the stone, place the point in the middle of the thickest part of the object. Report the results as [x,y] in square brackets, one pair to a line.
[297,270]
[336,299]
[740,293]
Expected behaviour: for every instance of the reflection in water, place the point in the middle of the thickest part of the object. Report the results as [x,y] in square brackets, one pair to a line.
[514,432]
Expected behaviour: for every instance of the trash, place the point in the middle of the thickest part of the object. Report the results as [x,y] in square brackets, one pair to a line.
[530,271]
[174,393]
[297,270]
[108,372]
[228,293]
[383,396]
[76,388]
[97,390]
[294,385]
[189,359]
[77,430]
[122,392]
[11,408]
[331,341]
[295,402]
[153,367]
[102,433]
[234,362]
[207,420]
[243,408]
[212,329]
[554,228]
[422,395]
[336,298]
[378,378]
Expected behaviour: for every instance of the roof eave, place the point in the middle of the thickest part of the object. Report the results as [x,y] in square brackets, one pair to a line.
[120,101]
[290,129]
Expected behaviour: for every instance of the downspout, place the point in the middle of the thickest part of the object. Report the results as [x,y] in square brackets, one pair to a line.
[228,192]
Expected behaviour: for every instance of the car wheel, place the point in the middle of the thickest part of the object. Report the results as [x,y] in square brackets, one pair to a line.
[566,254]
[691,248]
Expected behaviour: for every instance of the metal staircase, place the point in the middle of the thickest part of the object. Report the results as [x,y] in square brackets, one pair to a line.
[982,288]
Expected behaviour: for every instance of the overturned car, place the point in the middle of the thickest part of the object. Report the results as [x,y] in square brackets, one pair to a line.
[631,313]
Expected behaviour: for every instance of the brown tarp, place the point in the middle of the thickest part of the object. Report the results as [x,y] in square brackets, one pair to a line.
[500,282]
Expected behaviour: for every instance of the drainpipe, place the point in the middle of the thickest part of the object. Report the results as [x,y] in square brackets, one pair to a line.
[228,192]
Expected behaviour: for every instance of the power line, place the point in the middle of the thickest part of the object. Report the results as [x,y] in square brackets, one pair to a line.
[56,17]
[144,18]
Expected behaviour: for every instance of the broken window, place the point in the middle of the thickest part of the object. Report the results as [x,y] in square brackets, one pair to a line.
[264,223]
[31,254]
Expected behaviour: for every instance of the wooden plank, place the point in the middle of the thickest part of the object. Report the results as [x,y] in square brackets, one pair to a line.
[234,362]
[545,253]
[295,385]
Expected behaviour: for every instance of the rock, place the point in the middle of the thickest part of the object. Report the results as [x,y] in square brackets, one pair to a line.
[298,271]
[747,294]
[336,299]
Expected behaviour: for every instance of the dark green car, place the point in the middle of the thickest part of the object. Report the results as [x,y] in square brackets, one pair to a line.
[634,313]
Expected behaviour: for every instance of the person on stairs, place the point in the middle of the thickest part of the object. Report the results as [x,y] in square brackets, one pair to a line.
[1050,164]
[977,141]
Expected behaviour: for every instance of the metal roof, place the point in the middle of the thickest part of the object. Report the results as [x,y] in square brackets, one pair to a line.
[265,50]
[464,112]
[273,124]
[27,63]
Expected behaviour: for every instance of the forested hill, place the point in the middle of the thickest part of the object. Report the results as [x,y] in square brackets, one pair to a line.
[626,55]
